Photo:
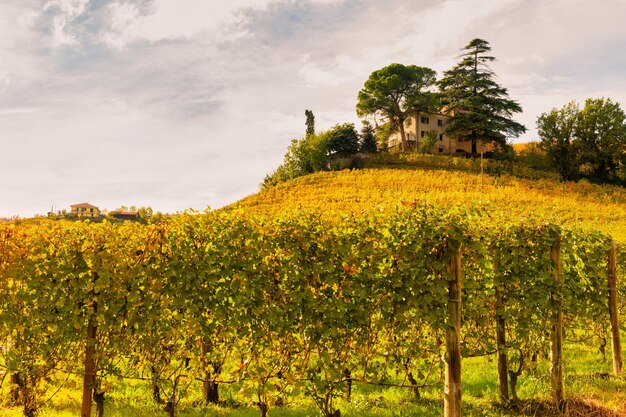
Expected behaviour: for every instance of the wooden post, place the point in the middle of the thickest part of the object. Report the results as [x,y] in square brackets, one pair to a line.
[556,330]
[210,389]
[205,381]
[503,377]
[90,368]
[452,396]
[614,312]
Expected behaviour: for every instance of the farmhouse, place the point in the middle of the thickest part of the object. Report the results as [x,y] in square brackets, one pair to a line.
[85,210]
[416,128]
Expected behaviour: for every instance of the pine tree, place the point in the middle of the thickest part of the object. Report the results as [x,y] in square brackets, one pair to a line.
[479,106]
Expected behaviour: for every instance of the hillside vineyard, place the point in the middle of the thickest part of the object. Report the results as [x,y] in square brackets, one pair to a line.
[442,182]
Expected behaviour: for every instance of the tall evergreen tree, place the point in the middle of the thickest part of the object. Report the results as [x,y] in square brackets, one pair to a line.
[479,106]
[310,122]
[368,140]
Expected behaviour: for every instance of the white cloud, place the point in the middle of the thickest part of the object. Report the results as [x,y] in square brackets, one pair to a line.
[61,37]
[4,78]
[443,28]
[173,19]
[18,110]
[316,76]
[67,10]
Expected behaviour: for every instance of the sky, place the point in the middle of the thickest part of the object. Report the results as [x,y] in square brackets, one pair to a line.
[179,104]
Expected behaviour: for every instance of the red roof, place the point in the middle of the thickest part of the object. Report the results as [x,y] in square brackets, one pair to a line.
[83,205]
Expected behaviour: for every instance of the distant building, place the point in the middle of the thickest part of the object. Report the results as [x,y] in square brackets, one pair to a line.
[124,215]
[85,210]
[416,127]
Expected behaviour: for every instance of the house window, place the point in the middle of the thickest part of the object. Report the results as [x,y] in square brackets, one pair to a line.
[422,133]
[441,136]
[91,210]
[439,122]
[425,120]
[440,150]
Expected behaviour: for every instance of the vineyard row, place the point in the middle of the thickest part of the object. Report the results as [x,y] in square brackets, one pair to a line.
[299,304]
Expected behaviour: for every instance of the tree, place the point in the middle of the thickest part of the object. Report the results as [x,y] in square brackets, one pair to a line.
[592,138]
[303,156]
[144,214]
[342,140]
[557,130]
[313,152]
[601,138]
[367,138]
[478,105]
[396,91]
[310,122]
[306,155]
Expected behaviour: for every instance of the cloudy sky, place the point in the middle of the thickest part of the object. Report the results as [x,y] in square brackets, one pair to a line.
[179,104]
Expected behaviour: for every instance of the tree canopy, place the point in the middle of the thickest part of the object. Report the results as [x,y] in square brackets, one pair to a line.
[314,153]
[396,91]
[601,134]
[480,107]
[557,132]
[588,142]
[342,140]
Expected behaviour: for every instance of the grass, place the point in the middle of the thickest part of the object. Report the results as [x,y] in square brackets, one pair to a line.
[589,391]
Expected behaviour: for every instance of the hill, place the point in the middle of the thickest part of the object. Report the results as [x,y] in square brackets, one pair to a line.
[584,205]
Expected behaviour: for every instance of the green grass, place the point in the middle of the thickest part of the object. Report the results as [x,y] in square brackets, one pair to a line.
[586,381]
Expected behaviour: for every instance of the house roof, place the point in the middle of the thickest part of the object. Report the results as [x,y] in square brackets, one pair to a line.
[87,205]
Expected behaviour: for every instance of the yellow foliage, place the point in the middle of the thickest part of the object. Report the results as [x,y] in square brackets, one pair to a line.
[585,205]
